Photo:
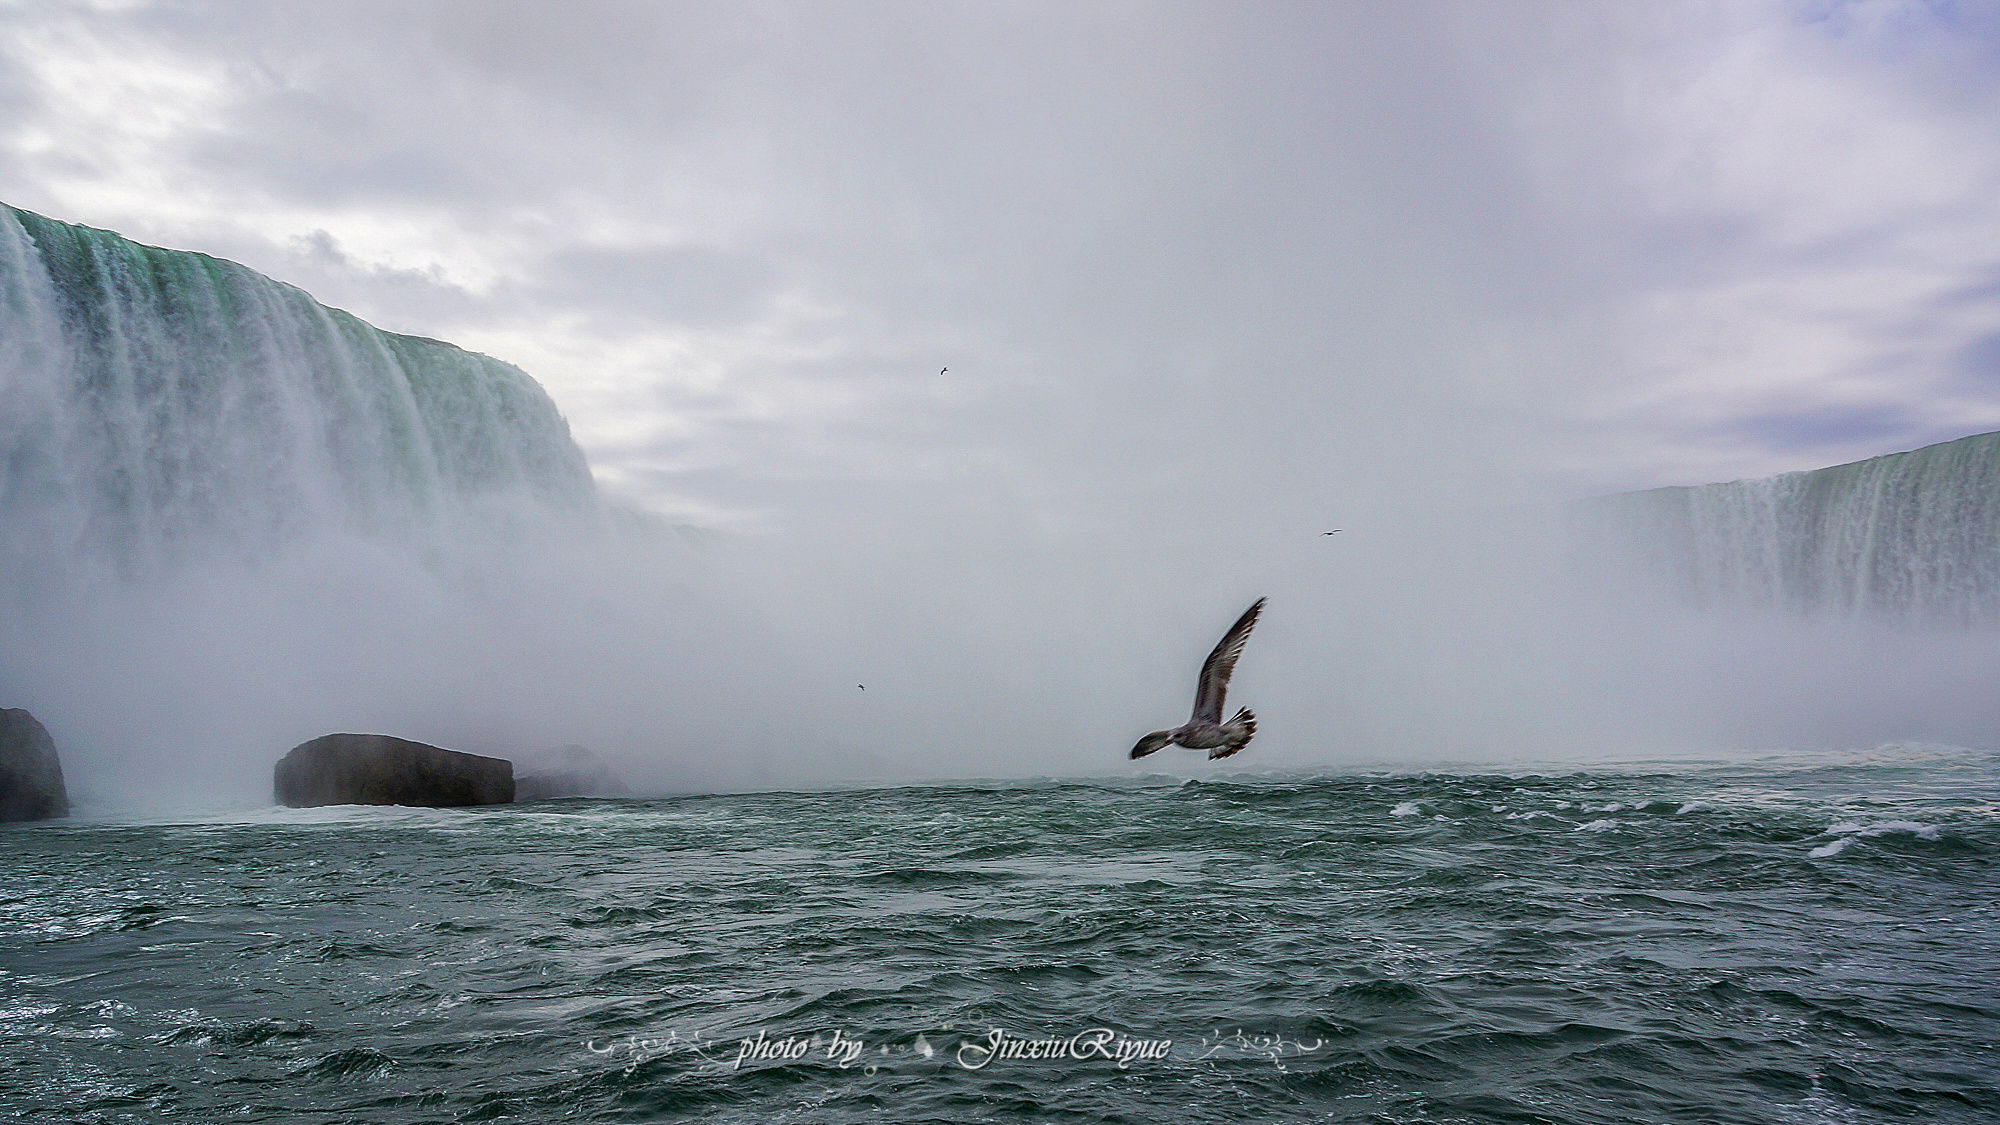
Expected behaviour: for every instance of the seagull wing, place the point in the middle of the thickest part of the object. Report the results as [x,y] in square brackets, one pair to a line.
[1216,670]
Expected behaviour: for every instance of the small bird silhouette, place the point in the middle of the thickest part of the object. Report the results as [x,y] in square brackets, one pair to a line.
[942,370]
[1335,531]
[863,687]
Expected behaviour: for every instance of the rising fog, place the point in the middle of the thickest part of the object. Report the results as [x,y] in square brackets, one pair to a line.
[1210,281]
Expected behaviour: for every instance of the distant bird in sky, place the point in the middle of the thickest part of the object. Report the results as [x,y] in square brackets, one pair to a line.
[942,370]
[1206,730]
[1335,531]
[863,687]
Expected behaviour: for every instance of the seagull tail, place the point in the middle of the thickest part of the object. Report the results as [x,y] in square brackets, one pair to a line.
[1242,728]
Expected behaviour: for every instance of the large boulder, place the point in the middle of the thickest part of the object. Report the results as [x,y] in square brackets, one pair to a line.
[31,781]
[572,771]
[375,769]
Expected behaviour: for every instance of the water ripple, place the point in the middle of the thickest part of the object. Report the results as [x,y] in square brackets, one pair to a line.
[1738,944]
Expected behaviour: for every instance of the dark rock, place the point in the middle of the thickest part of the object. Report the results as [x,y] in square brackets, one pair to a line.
[375,769]
[31,781]
[572,771]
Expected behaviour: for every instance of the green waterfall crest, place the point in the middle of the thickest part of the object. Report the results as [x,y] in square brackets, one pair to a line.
[156,404]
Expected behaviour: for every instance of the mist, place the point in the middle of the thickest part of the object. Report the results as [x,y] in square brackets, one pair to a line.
[1204,282]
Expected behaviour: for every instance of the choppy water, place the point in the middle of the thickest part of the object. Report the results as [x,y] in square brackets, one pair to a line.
[1788,942]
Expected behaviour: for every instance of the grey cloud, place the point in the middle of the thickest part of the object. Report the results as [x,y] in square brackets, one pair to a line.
[663,285]
[401,300]
[1980,360]
[1830,427]
[357,140]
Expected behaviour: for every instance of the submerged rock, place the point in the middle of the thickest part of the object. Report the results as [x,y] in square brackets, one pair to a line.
[31,780]
[375,769]
[572,771]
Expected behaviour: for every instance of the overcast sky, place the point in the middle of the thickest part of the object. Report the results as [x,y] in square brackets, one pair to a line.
[1628,244]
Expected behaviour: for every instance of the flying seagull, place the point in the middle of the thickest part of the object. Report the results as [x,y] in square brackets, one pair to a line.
[942,370]
[1335,531]
[1206,730]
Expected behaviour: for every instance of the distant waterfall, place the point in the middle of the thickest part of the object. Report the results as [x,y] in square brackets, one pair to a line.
[1911,535]
[157,405]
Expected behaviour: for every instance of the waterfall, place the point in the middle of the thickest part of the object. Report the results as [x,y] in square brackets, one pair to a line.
[1912,536]
[235,520]
[159,406]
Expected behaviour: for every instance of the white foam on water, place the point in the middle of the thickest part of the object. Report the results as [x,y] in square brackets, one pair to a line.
[1915,828]
[1604,825]
[1850,831]
[1407,808]
[1693,806]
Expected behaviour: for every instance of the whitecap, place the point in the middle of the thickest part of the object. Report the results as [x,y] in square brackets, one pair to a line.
[1693,806]
[1915,828]
[1849,831]
[1407,808]
[1598,825]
